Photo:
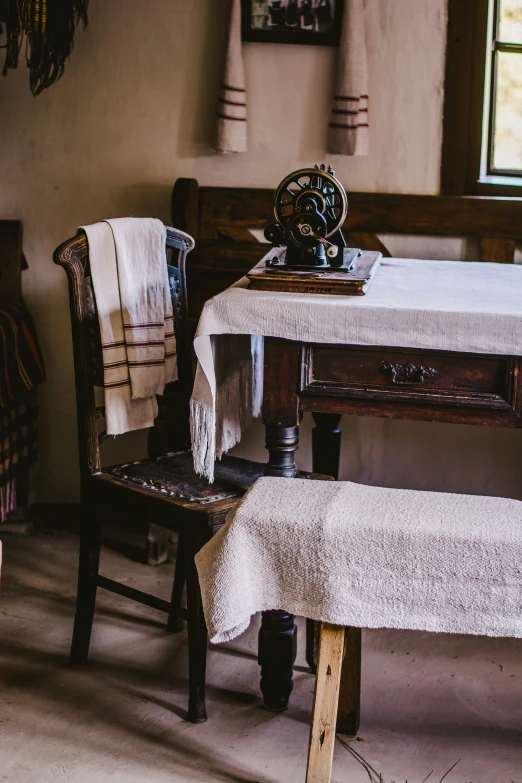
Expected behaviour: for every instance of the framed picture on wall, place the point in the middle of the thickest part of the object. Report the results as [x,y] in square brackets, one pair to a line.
[292,21]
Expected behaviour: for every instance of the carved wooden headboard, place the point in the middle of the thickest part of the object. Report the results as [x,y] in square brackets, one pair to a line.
[219,219]
[10,261]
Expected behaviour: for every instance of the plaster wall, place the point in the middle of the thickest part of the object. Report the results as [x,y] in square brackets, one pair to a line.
[135,110]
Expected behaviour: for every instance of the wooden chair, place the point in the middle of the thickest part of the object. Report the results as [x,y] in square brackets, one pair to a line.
[163,489]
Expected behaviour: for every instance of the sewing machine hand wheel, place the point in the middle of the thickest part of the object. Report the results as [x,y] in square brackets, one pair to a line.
[302,188]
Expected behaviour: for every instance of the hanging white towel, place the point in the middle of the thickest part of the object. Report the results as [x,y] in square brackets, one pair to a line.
[132,294]
[231,111]
[348,132]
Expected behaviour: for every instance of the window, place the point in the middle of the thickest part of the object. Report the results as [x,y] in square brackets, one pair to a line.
[504,135]
[482,141]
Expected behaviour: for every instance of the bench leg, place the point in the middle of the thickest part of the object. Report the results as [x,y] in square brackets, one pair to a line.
[349,715]
[326,696]
[312,643]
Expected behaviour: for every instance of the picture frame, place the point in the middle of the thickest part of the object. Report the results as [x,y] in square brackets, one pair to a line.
[310,22]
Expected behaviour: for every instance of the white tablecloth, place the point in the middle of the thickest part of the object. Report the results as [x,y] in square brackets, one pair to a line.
[441,305]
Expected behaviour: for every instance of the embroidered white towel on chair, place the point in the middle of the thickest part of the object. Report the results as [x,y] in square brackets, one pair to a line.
[231,112]
[130,281]
[348,130]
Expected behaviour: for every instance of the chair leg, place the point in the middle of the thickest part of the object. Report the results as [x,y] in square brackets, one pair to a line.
[175,623]
[197,637]
[90,542]
[326,696]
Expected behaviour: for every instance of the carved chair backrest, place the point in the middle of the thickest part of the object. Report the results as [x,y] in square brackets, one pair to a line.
[73,255]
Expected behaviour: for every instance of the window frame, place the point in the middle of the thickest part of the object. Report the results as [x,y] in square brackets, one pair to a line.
[468,56]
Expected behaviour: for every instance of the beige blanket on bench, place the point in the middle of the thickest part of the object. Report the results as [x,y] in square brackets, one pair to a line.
[368,557]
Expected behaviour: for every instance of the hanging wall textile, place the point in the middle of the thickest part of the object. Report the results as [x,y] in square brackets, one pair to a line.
[231,111]
[49,27]
[348,132]
[21,371]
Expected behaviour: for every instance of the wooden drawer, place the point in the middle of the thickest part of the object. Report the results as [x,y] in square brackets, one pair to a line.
[438,377]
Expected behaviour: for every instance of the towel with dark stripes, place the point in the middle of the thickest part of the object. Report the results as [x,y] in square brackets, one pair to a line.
[231,110]
[348,130]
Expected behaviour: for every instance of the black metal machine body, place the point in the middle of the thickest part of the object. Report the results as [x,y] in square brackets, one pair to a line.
[310,207]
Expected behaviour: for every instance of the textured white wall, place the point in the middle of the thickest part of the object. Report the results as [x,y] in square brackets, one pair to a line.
[135,111]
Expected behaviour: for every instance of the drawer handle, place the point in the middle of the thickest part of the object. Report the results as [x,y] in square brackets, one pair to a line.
[407,374]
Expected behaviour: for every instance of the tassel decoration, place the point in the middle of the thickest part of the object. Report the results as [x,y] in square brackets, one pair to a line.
[48,27]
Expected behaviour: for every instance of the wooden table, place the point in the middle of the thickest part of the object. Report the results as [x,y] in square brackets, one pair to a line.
[396,383]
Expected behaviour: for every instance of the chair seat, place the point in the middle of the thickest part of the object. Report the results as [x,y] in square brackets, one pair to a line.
[173,475]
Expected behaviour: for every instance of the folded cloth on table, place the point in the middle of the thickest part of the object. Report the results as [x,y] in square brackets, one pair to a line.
[367,557]
[438,305]
[130,281]
[21,371]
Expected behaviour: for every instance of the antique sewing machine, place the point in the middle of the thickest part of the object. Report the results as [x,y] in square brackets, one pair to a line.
[309,252]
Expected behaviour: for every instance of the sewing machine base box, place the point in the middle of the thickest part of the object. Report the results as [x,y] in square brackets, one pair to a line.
[275,276]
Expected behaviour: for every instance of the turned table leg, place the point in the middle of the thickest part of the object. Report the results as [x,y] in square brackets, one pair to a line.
[277,646]
[278,634]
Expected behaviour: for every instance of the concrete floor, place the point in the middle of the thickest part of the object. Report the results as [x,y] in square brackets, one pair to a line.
[428,700]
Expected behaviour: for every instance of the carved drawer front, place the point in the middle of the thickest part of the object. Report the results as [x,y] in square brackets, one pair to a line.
[418,376]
